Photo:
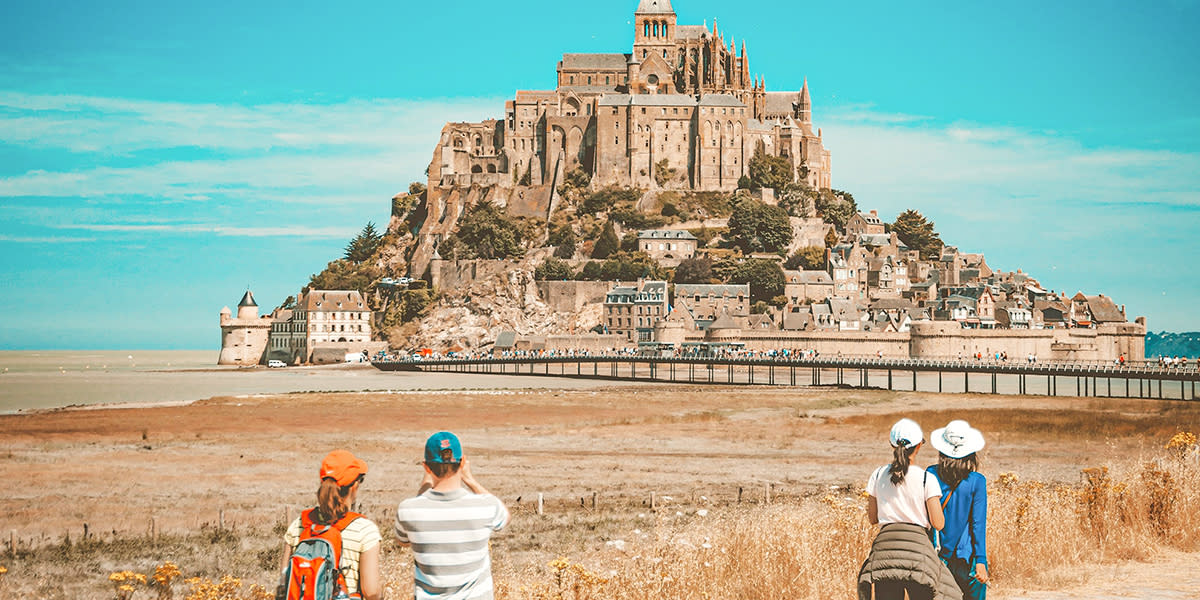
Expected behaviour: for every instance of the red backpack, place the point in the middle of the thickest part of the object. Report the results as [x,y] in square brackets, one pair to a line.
[314,568]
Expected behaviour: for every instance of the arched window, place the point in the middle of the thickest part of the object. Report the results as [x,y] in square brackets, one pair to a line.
[646,29]
[656,30]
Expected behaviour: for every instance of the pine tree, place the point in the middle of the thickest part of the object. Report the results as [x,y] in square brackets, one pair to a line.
[918,234]
[364,245]
[608,242]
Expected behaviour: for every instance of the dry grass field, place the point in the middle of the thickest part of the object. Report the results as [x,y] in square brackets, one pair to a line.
[756,491]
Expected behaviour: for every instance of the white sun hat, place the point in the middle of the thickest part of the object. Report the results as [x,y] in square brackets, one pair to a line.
[906,432]
[957,439]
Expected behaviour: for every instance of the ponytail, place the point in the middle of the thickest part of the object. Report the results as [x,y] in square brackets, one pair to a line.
[902,457]
[332,501]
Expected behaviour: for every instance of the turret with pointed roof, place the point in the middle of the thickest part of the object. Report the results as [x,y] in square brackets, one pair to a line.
[247,308]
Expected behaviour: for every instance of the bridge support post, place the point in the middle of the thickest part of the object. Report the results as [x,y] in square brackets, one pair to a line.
[939,382]
[889,380]
[966,382]
[993,383]
[793,370]
[730,372]
[914,380]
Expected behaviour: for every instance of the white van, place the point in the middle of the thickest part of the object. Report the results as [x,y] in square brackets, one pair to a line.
[276,364]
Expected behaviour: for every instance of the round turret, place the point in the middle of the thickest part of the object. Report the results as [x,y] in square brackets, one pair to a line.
[247,308]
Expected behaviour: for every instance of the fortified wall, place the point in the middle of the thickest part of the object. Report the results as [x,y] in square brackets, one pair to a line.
[942,339]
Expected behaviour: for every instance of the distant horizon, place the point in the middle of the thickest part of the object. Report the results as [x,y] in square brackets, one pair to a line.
[158,159]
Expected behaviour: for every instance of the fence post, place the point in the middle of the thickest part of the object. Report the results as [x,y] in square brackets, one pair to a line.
[541,508]
[739,495]
[651,500]
[594,497]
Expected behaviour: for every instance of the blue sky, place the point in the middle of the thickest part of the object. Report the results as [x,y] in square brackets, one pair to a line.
[157,158]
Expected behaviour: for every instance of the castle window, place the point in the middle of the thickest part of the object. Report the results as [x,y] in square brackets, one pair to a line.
[656,30]
[606,82]
[616,141]
[664,53]
[572,80]
[589,80]
[646,29]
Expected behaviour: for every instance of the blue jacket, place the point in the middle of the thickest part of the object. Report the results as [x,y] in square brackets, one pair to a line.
[965,533]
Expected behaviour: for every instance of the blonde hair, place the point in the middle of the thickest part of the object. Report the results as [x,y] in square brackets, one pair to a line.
[333,501]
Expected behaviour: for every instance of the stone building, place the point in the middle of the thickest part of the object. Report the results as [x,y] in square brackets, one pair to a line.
[681,110]
[324,326]
[864,223]
[243,338]
[668,246]
[801,287]
[632,311]
[705,302]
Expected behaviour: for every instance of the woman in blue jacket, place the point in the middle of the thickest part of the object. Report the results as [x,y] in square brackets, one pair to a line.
[963,541]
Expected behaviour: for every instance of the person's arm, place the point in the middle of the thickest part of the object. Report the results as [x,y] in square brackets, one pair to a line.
[979,530]
[872,510]
[937,518]
[469,480]
[369,582]
[426,483]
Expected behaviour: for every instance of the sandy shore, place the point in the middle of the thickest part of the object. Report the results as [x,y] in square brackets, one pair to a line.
[249,459]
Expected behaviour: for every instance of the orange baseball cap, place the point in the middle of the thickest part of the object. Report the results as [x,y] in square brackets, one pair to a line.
[342,467]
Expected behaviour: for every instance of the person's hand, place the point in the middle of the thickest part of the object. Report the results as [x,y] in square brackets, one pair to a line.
[981,573]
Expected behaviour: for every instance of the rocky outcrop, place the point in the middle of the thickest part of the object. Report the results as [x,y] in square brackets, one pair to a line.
[472,315]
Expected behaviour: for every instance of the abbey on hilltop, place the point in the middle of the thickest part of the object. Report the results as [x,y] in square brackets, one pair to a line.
[680,112]
[682,103]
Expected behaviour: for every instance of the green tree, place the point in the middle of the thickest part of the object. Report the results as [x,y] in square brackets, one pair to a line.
[836,207]
[416,188]
[625,266]
[606,198]
[918,234]
[808,258]
[768,171]
[797,200]
[564,240]
[694,270]
[663,172]
[485,232]
[553,269]
[759,227]
[578,178]
[364,245]
[831,238]
[608,242]
[629,242]
[764,276]
[342,274]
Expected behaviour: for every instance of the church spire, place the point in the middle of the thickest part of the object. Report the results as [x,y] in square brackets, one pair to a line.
[805,107]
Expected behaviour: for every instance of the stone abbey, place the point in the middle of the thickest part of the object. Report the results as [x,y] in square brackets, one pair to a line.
[681,111]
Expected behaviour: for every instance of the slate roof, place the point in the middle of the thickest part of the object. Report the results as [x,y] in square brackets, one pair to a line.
[724,322]
[720,100]
[247,300]
[506,340]
[690,290]
[691,32]
[611,61]
[665,234]
[647,100]
[760,322]
[1104,310]
[875,239]
[900,304]
[655,7]
[781,102]
[332,300]
[808,277]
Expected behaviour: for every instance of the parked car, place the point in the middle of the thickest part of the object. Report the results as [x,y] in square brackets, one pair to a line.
[276,364]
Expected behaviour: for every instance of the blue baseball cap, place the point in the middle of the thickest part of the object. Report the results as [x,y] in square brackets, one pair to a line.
[439,443]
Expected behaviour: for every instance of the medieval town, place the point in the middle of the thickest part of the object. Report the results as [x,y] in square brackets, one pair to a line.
[664,202]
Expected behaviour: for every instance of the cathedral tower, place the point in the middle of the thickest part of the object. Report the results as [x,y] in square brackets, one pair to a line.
[654,30]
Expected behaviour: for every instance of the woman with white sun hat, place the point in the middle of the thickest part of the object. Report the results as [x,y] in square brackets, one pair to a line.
[906,502]
[963,540]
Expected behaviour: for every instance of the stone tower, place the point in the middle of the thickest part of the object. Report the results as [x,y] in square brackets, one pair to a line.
[654,30]
[243,339]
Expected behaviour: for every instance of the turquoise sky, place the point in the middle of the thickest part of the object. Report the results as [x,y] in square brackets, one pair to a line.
[156,158]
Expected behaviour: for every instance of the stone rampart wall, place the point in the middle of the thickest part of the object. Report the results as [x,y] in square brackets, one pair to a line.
[572,296]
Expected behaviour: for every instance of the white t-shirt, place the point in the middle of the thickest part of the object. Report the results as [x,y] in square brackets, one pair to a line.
[906,503]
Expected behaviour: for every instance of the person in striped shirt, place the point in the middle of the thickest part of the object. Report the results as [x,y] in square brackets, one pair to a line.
[448,525]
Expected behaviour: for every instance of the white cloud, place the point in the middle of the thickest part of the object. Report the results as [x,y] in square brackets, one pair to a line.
[219,230]
[19,239]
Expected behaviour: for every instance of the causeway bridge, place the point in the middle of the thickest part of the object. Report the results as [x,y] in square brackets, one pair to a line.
[1095,379]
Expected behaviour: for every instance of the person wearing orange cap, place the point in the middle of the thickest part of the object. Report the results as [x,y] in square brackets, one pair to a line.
[341,475]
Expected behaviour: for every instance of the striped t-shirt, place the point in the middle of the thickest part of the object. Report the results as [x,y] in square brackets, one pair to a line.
[358,537]
[449,534]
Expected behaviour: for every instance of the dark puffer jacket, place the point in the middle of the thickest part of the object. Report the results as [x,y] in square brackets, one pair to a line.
[903,552]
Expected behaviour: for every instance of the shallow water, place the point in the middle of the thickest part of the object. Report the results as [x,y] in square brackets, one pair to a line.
[55,379]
